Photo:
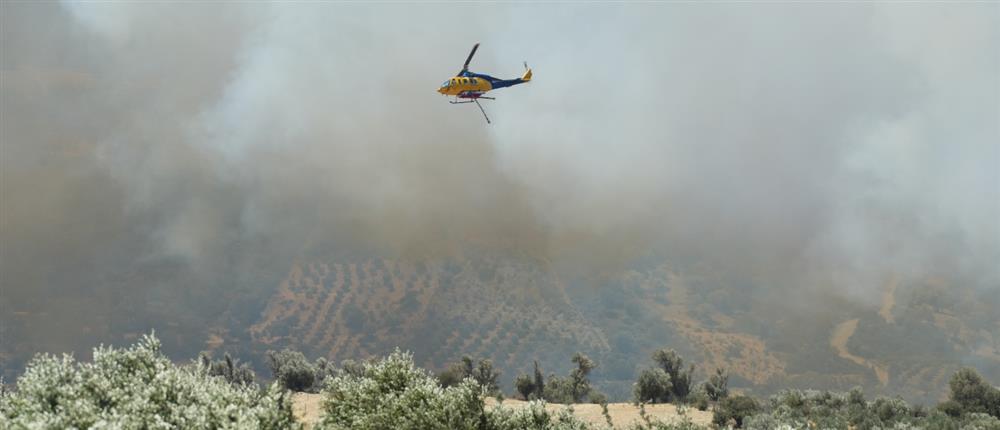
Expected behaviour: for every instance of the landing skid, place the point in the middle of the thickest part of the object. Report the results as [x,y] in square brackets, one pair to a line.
[476,101]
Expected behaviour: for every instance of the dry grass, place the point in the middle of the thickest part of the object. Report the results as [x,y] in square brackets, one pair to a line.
[307,408]
[622,414]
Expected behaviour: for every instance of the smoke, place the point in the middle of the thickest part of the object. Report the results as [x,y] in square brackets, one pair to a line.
[823,145]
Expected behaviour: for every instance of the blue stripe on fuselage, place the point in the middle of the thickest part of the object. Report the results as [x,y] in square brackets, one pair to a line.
[500,83]
[494,82]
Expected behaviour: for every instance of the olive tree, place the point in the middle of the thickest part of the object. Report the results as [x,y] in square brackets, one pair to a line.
[137,387]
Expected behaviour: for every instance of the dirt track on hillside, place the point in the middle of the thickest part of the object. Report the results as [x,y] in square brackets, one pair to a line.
[838,341]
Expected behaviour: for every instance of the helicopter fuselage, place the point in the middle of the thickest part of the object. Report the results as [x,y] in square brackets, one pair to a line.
[469,83]
[459,85]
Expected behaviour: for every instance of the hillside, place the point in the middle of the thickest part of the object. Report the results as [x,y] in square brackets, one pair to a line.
[515,312]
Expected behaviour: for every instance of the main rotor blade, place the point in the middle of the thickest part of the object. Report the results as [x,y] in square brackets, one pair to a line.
[467,60]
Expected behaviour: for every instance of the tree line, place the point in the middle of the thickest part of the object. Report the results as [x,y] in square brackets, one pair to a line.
[139,387]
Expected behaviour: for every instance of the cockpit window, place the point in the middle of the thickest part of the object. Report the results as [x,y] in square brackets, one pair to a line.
[445,84]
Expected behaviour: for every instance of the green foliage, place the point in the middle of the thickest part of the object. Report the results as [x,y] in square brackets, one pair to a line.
[666,381]
[137,388]
[393,393]
[653,386]
[699,398]
[482,372]
[580,377]
[973,394]
[294,372]
[680,380]
[525,386]
[801,409]
[951,408]
[574,388]
[351,367]
[229,369]
[558,389]
[717,386]
[533,417]
[736,409]
[650,423]
[597,397]
[539,381]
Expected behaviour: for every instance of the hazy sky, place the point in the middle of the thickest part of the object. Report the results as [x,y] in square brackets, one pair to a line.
[822,143]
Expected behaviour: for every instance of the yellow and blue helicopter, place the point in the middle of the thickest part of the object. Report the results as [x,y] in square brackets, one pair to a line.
[469,87]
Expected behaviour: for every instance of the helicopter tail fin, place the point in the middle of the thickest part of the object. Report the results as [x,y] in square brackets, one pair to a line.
[527,73]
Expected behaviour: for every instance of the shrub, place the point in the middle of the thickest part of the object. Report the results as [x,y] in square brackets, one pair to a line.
[558,389]
[534,416]
[699,398]
[291,369]
[597,397]
[228,368]
[673,364]
[649,423]
[735,408]
[539,382]
[969,390]
[653,386]
[482,372]
[351,367]
[580,377]
[717,386]
[574,388]
[531,387]
[951,408]
[294,372]
[393,393]
[137,387]
[525,386]
[795,409]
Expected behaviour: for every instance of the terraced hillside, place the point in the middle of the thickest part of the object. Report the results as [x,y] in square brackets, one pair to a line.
[509,312]
[517,311]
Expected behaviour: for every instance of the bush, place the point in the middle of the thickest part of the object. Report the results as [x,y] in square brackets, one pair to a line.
[699,398]
[539,382]
[291,369]
[653,386]
[574,388]
[228,368]
[483,373]
[795,409]
[558,389]
[969,390]
[525,386]
[580,377]
[717,386]
[393,393]
[951,408]
[137,387]
[533,417]
[673,364]
[649,423]
[294,372]
[735,408]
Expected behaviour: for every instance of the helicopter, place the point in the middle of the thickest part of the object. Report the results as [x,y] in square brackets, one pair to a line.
[469,87]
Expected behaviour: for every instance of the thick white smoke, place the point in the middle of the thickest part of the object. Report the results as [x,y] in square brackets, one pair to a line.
[819,144]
